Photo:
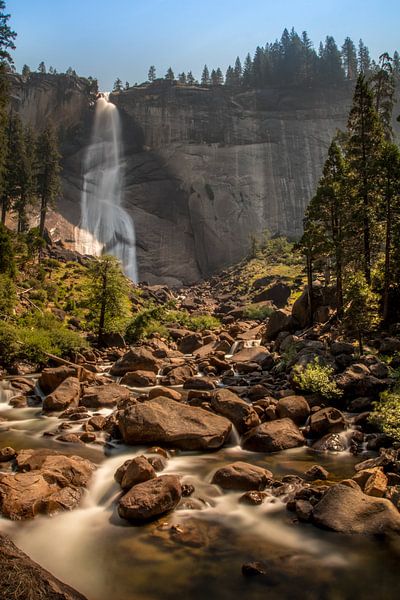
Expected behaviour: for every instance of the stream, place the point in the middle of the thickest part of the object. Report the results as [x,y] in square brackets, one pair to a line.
[198,550]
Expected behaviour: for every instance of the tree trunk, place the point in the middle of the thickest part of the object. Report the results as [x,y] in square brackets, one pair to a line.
[310,288]
[388,244]
[102,316]
[3,210]
[43,213]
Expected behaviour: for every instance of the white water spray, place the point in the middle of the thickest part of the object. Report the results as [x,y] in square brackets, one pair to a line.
[106,227]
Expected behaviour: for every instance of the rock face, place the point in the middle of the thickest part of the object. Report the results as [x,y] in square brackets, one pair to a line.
[19,572]
[165,421]
[349,510]
[150,499]
[274,436]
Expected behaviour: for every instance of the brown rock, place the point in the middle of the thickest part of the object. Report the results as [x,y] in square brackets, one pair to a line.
[164,421]
[166,392]
[51,378]
[293,407]
[104,396]
[274,436]
[199,383]
[65,395]
[241,476]
[376,484]
[238,411]
[150,499]
[137,470]
[139,379]
[137,359]
[326,420]
[7,454]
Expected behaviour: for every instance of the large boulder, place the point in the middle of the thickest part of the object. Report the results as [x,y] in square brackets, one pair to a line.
[51,378]
[349,510]
[238,411]
[293,407]
[65,395]
[357,380]
[278,294]
[326,420]
[136,359]
[242,476]
[179,374]
[21,577]
[280,320]
[46,482]
[256,354]
[104,396]
[134,471]
[165,421]
[150,499]
[139,379]
[274,436]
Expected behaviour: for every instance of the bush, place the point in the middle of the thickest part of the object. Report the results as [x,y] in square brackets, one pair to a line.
[386,414]
[8,296]
[9,343]
[317,378]
[257,312]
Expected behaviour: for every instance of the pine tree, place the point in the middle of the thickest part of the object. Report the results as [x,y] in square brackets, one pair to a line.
[169,76]
[42,68]
[229,77]
[26,71]
[331,62]
[190,78]
[7,36]
[117,86]
[383,85]
[27,194]
[363,149]
[205,76]
[108,295]
[152,74]
[364,60]
[349,57]
[248,71]
[127,85]
[48,174]
[182,78]
[237,71]
[219,77]
[396,63]
[361,313]
[7,258]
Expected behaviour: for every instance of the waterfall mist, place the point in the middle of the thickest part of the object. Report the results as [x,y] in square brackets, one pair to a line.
[106,227]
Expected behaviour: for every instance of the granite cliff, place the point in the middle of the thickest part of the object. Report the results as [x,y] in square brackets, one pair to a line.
[205,168]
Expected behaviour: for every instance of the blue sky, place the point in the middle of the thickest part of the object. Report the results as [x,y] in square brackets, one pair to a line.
[122,38]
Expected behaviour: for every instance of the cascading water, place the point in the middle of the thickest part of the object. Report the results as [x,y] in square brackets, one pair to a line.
[105,226]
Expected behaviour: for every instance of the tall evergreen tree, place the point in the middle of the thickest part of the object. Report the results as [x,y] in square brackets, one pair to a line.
[349,58]
[42,68]
[152,74]
[190,78]
[205,76]
[237,71]
[396,63]
[383,85]
[48,174]
[170,76]
[182,78]
[7,36]
[363,149]
[25,71]
[364,60]
[331,62]
[248,71]
[118,86]
[229,76]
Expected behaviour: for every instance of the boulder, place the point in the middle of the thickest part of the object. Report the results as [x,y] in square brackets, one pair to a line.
[189,343]
[280,320]
[178,375]
[134,471]
[241,476]
[21,577]
[293,407]
[348,510]
[139,379]
[256,354]
[51,378]
[274,436]
[65,395]
[316,472]
[166,392]
[199,383]
[326,420]
[136,359]
[278,294]
[357,380]
[164,421]
[342,348]
[390,345]
[331,442]
[7,454]
[238,411]
[46,482]
[150,499]
[104,396]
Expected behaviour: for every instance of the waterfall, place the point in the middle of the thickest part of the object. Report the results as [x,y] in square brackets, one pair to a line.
[105,226]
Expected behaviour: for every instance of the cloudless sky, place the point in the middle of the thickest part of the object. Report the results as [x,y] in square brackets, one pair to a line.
[122,38]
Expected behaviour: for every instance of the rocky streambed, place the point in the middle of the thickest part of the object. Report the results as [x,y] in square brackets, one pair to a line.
[181,468]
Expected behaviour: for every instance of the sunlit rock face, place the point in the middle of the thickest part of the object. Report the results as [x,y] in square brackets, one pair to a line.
[204,168]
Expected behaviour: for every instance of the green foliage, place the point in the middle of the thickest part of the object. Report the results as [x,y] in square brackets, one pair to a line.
[386,414]
[317,378]
[8,296]
[7,260]
[257,312]
[9,343]
[48,172]
[361,311]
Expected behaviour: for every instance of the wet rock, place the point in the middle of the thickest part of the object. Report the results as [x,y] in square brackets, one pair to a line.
[7,454]
[187,490]
[316,472]
[238,411]
[158,462]
[331,442]
[97,422]
[241,476]
[104,396]
[70,438]
[164,421]
[348,510]
[293,407]
[376,484]
[253,498]
[166,392]
[136,471]
[303,510]
[150,499]
[136,359]
[51,378]
[274,436]
[139,378]
[46,482]
[65,395]
[326,420]
[21,577]
[199,383]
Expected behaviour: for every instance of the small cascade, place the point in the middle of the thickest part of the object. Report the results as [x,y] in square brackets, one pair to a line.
[106,227]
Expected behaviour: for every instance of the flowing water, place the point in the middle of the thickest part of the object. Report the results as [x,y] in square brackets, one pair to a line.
[197,551]
[106,227]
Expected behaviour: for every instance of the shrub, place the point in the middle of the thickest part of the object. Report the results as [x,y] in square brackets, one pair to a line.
[257,312]
[9,343]
[8,296]
[317,378]
[386,414]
